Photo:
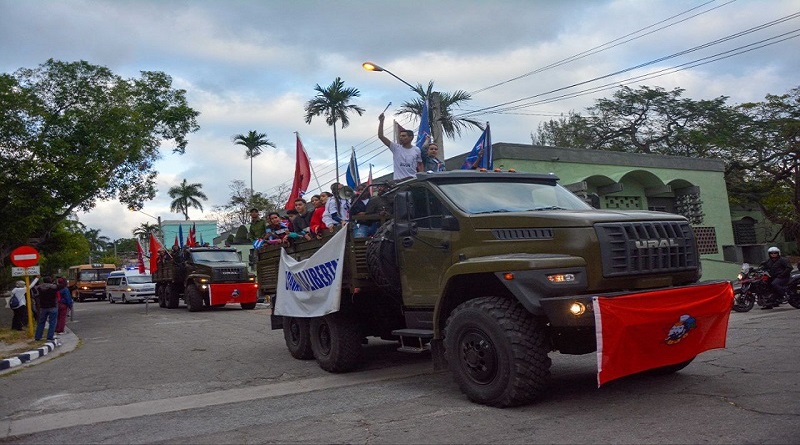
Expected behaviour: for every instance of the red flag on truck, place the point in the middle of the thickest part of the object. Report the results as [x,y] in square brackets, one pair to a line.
[659,328]
[302,175]
[140,257]
[155,246]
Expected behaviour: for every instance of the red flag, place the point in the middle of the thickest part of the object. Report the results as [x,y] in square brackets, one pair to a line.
[155,246]
[302,175]
[140,257]
[369,178]
[191,240]
[177,244]
[659,328]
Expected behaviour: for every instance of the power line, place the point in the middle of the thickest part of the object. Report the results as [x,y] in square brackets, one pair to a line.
[611,44]
[651,62]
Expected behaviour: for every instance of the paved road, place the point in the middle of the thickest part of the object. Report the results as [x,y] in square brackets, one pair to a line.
[224,377]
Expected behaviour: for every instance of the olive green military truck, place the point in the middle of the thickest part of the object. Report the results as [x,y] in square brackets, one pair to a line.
[490,271]
[203,277]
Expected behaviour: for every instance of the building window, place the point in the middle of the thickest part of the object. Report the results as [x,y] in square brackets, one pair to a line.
[623,202]
[690,206]
[706,240]
[744,231]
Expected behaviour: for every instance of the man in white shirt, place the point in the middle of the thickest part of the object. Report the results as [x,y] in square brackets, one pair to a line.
[337,210]
[407,157]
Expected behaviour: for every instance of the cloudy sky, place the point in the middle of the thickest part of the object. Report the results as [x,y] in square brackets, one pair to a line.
[252,65]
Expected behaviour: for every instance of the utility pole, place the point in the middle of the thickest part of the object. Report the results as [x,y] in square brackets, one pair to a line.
[436,122]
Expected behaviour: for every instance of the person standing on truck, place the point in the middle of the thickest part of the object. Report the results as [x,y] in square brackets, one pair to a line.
[277,231]
[407,157]
[432,163]
[337,210]
[317,226]
[257,226]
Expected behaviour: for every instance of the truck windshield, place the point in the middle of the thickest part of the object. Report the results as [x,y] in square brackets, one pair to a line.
[504,196]
[216,256]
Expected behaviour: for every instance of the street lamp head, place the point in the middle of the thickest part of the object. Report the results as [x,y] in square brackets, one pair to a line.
[369,66]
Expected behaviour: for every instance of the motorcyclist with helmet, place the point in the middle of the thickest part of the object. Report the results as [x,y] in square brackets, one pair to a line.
[780,271]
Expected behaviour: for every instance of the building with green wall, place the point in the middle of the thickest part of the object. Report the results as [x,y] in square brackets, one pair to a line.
[692,187]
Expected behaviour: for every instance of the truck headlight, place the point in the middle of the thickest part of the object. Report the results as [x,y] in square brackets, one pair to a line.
[577,308]
[561,278]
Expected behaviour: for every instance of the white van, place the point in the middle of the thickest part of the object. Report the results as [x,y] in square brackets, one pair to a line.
[130,285]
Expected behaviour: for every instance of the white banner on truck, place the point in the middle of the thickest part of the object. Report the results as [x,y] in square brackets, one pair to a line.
[312,287]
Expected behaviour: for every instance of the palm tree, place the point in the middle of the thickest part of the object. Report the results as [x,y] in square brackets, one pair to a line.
[451,126]
[144,230]
[97,242]
[253,143]
[333,102]
[184,196]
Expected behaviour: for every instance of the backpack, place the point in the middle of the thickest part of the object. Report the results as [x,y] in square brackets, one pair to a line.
[14,302]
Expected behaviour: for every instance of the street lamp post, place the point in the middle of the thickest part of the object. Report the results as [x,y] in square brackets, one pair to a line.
[435,104]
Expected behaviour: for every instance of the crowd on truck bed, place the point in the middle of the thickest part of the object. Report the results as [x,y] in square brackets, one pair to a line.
[365,207]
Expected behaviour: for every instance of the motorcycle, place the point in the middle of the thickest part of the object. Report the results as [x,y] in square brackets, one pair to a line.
[754,288]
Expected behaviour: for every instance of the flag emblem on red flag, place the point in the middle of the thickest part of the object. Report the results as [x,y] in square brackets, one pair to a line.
[659,328]
[302,175]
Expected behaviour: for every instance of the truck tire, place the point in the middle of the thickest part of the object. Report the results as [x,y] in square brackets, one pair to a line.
[248,306]
[194,301]
[171,296]
[297,334]
[497,352]
[336,342]
[382,261]
[162,300]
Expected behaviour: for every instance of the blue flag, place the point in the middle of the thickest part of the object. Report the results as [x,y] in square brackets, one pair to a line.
[351,176]
[180,235]
[424,125]
[481,154]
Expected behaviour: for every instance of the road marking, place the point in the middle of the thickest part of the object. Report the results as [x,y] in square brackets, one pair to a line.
[89,416]
[182,321]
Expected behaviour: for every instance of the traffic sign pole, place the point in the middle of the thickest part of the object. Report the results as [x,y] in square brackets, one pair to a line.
[30,306]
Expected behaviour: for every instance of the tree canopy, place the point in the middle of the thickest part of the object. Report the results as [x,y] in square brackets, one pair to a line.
[185,195]
[253,143]
[333,102]
[759,142]
[72,134]
[451,125]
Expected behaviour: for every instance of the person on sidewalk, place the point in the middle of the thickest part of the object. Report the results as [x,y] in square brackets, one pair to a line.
[47,297]
[64,304]
[18,305]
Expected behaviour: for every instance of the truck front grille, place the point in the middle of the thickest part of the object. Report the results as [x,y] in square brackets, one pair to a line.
[230,274]
[641,248]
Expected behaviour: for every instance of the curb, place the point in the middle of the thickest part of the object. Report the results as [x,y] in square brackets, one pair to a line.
[29,356]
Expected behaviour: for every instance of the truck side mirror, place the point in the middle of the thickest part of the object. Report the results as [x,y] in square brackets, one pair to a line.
[450,223]
[403,214]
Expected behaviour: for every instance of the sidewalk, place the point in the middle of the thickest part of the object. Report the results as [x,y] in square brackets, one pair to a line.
[63,343]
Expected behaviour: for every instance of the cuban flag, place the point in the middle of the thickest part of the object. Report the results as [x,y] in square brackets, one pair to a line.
[352,176]
[481,154]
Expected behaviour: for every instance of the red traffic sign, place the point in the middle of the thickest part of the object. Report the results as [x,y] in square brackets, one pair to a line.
[24,256]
